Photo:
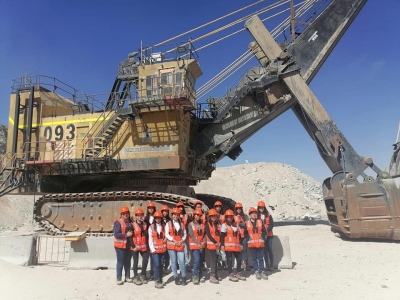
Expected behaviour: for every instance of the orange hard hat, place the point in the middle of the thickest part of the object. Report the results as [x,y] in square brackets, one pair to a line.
[238,205]
[212,212]
[261,203]
[198,212]
[176,211]
[252,210]
[180,204]
[218,203]
[229,212]
[124,209]
[158,214]
[151,204]
[165,207]
[139,211]
[198,202]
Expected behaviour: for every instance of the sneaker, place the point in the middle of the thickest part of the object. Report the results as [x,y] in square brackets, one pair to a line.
[258,275]
[137,281]
[240,276]
[213,279]
[202,279]
[195,279]
[158,284]
[264,276]
[119,282]
[143,279]
[128,279]
[233,278]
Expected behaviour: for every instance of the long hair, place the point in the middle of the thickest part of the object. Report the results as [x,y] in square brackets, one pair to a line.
[265,213]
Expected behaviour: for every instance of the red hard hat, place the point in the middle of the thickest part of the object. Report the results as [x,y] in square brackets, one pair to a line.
[124,209]
[229,212]
[252,210]
[197,202]
[176,211]
[261,203]
[180,204]
[218,203]
[165,207]
[139,211]
[198,212]
[212,212]
[158,214]
[238,205]
[151,204]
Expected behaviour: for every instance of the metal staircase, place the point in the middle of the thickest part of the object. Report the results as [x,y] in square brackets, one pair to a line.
[11,173]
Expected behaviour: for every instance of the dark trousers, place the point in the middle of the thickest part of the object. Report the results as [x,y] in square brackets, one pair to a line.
[123,262]
[268,251]
[197,262]
[145,260]
[212,254]
[157,259]
[166,260]
[244,251]
[258,258]
[151,262]
[229,261]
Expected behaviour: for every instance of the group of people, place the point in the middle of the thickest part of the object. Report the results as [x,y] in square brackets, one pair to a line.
[166,239]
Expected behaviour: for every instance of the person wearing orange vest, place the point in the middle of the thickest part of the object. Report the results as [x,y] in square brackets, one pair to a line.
[149,219]
[175,233]
[218,208]
[185,219]
[265,215]
[165,219]
[230,243]
[213,234]
[197,245]
[139,247]
[158,247]
[240,218]
[199,205]
[257,235]
[122,243]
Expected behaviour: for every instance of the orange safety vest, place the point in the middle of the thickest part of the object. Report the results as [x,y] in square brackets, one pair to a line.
[239,219]
[232,243]
[215,232]
[177,236]
[255,240]
[266,224]
[199,235]
[121,242]
[140,237]
[158,239]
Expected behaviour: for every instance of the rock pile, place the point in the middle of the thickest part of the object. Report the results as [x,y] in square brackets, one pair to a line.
[289,193]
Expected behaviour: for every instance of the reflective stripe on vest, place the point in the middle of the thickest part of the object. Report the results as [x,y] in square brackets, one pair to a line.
[139,237]
[232,243]
[215,232]
[121,242]
[255,240]
[199,237]
[177,236]
[158,239]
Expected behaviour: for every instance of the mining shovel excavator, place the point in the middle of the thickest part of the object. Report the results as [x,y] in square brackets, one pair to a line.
[151,140]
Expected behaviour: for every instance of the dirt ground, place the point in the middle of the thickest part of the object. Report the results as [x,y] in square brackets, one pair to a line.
[326,267]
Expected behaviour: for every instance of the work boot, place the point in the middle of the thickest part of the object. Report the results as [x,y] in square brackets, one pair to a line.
[258,275]
[158,284]
[177,282]
[213,279]
[183,280]
[127,279]
[233,278]
[120,282]
[240,276]
[137,281]
[143,279]
[263,275]
[195,279]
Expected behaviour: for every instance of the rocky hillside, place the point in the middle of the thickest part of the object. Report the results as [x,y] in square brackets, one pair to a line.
[293,194]
[3,138]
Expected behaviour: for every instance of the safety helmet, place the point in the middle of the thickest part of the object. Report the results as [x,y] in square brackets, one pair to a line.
[139,211]
[180,204]
[252,210]
[229,212]
[124,209]
[197,202]
[158,214]
[165,207]
[212,212]
[217,203]
[198,212]
[261,204]
[176,211]
[238,205]
[151,204]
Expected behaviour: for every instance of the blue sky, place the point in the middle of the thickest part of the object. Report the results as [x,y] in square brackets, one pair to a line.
[82,42]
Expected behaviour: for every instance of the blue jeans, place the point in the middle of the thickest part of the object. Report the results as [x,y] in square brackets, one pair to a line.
[177,257]
[197,262]
[244,251]
[268,251]
[124,257]
[258,258]
[157,259]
